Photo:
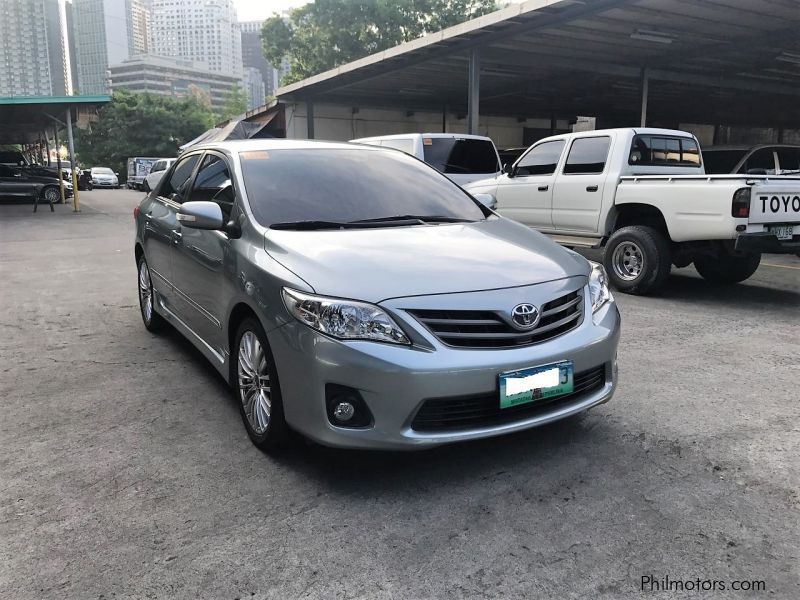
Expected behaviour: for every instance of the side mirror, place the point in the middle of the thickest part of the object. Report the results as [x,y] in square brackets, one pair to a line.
[487,200]
[508,169]
[200,215]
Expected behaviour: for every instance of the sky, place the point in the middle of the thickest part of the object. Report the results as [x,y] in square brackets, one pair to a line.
[252,10]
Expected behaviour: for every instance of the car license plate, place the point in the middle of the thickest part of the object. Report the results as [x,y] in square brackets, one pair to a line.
[782,232]
[535,383]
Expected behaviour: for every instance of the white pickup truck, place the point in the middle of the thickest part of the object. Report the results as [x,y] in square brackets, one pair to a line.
[643,194]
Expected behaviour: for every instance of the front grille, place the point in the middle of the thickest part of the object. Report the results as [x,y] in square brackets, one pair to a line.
[470,412]
[487,329]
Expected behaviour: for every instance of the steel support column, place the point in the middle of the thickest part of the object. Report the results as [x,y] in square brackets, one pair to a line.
[76,203]
[474,91]
[645,91]
[310,119]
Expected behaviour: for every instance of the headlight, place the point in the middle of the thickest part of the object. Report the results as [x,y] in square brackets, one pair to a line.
[598,286]
[344,319]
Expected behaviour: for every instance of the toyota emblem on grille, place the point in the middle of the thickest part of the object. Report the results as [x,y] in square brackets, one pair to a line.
[525,316]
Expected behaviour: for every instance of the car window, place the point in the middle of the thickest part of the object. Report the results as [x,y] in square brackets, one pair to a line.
[6,171]
[325,184]
[176,184]
[722,162]
[760,162]
[588,155]
[159,165]
[404,145]
[789,159]
[664,151]
[460,155]
[213,184]
[541,160]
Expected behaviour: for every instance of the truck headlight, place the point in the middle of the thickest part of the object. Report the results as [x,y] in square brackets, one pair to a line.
[598,286]
[343,319]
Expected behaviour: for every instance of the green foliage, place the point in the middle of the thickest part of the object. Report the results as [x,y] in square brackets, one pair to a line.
[135,124]
[326,33]
[235,103]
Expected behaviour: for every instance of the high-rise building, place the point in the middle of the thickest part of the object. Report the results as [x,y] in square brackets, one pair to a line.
[253,55]
[34,49]
[139,27]
[101,39]
[253,87]
[203,31]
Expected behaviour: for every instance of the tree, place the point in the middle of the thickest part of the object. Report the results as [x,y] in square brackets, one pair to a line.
[235,103]
[134,124]
[326,33]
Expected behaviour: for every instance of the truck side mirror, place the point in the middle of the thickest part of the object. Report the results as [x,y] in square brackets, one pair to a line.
[508,169]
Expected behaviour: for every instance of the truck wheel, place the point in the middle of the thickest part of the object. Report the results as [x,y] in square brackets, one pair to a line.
[637,259]
[727,269]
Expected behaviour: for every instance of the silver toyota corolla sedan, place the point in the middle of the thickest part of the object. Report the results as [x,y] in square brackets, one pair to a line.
[359,297]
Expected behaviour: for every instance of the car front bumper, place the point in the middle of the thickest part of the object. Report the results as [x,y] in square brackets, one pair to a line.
[394,381]
[109,184]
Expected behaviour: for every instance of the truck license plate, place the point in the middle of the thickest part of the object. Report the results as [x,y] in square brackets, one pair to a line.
[782,232]
[536,383]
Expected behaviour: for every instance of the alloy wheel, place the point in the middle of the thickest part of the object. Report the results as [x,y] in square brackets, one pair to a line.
[52,195]
[627,261]
[254,382]
[145,292]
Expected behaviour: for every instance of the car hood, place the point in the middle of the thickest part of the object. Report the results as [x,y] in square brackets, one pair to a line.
[393,262]
[483,186]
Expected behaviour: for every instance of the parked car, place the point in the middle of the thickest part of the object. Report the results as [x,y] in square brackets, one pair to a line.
[17,183]
[642,193]
[752,160]
[361,298]
[138,168]
[13,158]
[463,158]
[103,177]
[156,172]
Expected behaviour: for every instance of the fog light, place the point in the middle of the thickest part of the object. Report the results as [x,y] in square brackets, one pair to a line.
[344,411]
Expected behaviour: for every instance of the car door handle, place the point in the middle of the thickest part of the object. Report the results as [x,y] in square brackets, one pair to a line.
[543,188]
[176,236]
[591,188]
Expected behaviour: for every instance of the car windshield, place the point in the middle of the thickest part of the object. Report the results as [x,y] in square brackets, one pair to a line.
[330,186]
[102,171]
[721,162]
[460,155]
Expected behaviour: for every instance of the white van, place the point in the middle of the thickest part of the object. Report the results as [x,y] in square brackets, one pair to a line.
[463,158]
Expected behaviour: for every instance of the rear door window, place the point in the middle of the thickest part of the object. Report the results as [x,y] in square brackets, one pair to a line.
[460,155]
[789,159]
[760,162]
[541,160]
[179,178]
[664,151]
[588,156]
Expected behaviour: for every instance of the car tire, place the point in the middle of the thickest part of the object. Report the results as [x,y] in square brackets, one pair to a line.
[257,388]
[637,259]
[153,322]
[727,269]
[51,193]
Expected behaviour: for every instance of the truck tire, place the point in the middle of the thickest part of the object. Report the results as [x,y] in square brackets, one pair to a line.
[727,269]
[637,259]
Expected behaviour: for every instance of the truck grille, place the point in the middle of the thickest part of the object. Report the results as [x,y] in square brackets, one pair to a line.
[487,329]
[470,412]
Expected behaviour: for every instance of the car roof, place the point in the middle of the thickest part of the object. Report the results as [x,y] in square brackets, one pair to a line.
[746,147]
[235,146]
[401,136]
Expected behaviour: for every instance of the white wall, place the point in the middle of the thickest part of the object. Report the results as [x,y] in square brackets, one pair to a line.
[342,123]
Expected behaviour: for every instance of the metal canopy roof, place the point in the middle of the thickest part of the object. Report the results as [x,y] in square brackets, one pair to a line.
[22,118]
[707,61]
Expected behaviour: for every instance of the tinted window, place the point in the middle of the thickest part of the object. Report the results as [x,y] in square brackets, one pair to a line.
[406,145]
[176,183]
[159,165]
[325,184]
[11,156]
[541,160]
[213,184]
[453,155]
[6,171]
[722,162]
[789,159]
[587,155]
[664,151]
[760,162]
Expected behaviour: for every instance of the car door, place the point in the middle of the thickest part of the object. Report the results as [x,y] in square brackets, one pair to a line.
[199,255]
[526,195]
[578,192]
[160,224]
[13,184]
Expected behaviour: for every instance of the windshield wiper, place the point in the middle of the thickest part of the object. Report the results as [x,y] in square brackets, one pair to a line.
[415,218]
[309,225]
